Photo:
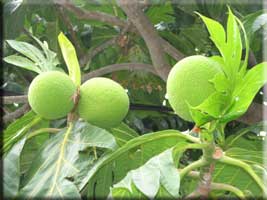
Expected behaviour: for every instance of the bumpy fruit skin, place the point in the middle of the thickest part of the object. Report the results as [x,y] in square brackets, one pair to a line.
[103,102]
[50,95]
[189,82]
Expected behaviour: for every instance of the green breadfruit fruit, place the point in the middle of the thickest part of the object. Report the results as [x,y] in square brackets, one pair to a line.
[189,82]
[103,102]
[50,95]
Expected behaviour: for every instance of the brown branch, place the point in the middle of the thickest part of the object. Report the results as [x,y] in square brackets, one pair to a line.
[171,50]
[16,114]
[15,99]
[83,14]
[253,115]
[204,186]
[69,26]
[118,67]
[110,19]
[97,50]
[92,53]
[149,34]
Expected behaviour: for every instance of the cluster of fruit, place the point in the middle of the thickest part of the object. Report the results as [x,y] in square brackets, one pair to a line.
[105,103]
[102,101]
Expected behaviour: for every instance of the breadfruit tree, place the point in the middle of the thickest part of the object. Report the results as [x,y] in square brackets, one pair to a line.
[134,99]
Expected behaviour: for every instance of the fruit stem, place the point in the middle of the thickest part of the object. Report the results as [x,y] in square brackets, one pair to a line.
[72,116]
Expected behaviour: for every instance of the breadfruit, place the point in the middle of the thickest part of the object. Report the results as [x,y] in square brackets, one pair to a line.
[189,83]
[50,95]
[103,102]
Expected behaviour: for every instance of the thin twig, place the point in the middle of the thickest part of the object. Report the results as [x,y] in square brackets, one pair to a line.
[117,67]
[149,34]
[115,21]
[252,116]
[92,53]
[16,114]
[84,14]
[69,26]
[15,99]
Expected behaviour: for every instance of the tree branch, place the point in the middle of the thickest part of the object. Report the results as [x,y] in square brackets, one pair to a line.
[252,116]
[149,34]
[101,47]
[69,26]
[97,50]
[99,16]
[15,99]
[110,19]
[171,50]
[16,114]
[118,67]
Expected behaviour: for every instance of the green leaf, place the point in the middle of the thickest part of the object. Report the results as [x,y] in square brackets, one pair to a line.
[234,45]
[32,146]
[211,108]
[160,13]
[22,62]
[29,51]
[159,170]
[70,58]
[214,105]
[12,170]
[230,49]
[62,158]
[169,176]
[217,34]
[241,138]
[254,21]
[134,153]
[147,178]
[246,91]
[247,155]
[52,60]
[123,133]
[18,129]
[236,176]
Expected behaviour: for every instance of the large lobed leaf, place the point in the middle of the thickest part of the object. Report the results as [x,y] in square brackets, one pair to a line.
[235,87]
[113,167]
[246,90]
[11,176]
[123,133]
[157,171]
[33,58]
[62,159]
[18,129]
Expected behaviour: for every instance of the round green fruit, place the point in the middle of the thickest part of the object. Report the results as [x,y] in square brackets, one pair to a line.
[50,95]
[103,102]
[189,83]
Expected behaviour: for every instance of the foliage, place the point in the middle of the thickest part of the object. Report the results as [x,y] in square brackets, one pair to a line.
[144,157]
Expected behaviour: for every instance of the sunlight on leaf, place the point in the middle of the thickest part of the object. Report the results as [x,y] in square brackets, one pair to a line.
[70,58]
